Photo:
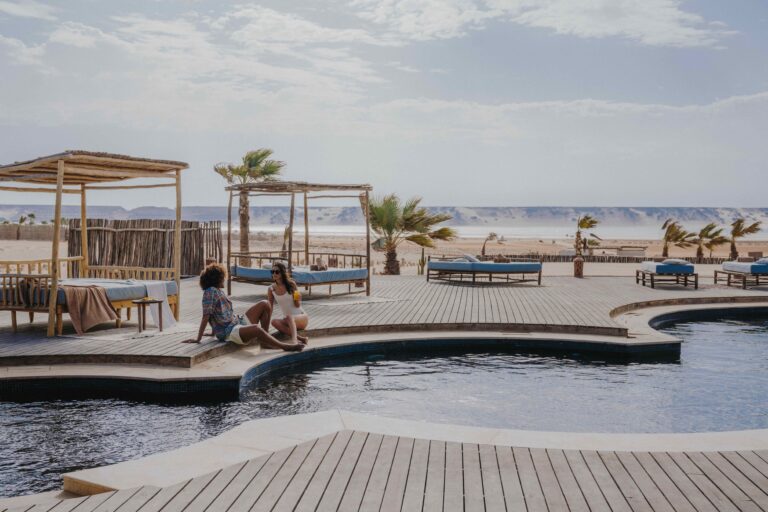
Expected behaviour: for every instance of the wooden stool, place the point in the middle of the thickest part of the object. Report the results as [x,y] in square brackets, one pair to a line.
[141,307]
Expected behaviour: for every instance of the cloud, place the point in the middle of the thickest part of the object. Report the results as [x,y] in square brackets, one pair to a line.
[23,54]
[76,34]
[28,9]
[648,22]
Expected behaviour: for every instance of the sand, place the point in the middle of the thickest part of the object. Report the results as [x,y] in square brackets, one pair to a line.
[409,253]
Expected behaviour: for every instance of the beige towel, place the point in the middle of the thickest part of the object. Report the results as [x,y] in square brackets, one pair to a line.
[88,306]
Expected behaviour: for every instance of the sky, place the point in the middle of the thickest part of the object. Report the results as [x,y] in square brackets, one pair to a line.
[461,102]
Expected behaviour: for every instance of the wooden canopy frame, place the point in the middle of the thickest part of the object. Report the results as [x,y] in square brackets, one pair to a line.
[292,188]
[77,172]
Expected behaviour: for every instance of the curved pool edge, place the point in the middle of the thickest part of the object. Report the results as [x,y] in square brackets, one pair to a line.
[264,436]
[226,375]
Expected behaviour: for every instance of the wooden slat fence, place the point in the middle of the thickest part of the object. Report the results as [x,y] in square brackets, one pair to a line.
[147,243]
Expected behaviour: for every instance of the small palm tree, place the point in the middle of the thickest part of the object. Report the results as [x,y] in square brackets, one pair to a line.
[709,237]
[740,229]
[32,218]
[22,220]
[583,223]
[256,166]
[675,235]
[491,236]
[395,223]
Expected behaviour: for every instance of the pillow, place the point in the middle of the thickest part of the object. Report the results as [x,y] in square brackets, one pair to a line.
[471,258]
[673,261]
[762,261]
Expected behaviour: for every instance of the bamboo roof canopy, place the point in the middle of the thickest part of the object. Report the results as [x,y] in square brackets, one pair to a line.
[88,167]
[294,187]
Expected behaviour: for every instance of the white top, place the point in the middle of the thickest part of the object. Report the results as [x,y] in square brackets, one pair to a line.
[285,301]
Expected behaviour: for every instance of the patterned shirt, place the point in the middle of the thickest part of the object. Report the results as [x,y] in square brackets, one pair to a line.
[221,316]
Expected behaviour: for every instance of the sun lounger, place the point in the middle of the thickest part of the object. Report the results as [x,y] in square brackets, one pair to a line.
[669,272]
[458,268]
[302,275]
[743,274]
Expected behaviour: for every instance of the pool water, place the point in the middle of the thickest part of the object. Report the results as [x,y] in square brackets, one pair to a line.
[719,383]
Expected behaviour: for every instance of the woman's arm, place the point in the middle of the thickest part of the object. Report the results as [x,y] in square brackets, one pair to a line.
[200,331]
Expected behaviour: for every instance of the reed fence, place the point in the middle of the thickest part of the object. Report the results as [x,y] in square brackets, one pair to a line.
[147,243]
[598,258]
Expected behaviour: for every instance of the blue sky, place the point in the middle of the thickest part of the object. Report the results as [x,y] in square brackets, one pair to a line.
[467,102]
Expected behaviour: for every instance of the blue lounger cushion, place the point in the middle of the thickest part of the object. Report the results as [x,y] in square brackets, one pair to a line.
[746,268]
[303,275]
[665,268]
[486,266]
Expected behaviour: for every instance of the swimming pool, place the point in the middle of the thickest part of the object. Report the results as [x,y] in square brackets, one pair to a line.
[719,383]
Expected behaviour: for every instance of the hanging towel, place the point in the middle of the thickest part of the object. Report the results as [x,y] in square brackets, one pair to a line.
[157,290]
[88,306]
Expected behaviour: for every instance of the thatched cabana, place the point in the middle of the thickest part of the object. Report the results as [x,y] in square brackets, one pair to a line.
[77,172]
[308,191]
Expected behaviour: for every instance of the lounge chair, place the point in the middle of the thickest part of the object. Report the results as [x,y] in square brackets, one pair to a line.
[668,271]
[456,269]
[743,273]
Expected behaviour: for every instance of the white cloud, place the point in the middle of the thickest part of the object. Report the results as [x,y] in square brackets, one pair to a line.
[649,22]
[76,34]
[28,9]
[21,53]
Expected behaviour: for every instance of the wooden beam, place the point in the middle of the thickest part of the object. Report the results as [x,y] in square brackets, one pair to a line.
[177,245]
[47,190]
[55,252]
[290,233]
[306,231]
[366,213]
[333,197]
[126,187]
[229,244]
[83,235]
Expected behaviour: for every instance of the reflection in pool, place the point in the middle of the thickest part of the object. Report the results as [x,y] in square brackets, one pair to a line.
[720,383]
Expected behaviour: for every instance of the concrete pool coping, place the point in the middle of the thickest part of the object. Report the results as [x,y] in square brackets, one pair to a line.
[261,437]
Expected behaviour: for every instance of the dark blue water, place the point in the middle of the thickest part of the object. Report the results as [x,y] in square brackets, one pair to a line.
[719,383]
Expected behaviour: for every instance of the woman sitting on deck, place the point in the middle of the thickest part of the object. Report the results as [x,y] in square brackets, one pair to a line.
[218,312]
[287,295]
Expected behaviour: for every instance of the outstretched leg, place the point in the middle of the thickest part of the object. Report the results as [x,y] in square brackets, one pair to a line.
[260,313]
[248,333]
[284,326]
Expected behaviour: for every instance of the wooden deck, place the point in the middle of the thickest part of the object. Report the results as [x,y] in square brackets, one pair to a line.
[561,304]
[353,470]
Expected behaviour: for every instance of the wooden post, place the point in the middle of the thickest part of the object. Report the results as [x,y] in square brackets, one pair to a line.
[229,244]
[54,271]
[366,212]
[83,234]
[306,231]
[290,233]
[177,245]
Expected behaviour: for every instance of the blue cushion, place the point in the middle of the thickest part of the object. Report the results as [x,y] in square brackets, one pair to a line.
[746,268]
[452,266]
[514,266]
[304,276]
[662,268]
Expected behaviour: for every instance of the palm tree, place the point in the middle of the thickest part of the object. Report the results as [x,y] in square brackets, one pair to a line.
[256,167]
[582,224]
[491,236]
[740,229]
[22,220]
[395,223]
[32,218]
[674,234]
[709,237]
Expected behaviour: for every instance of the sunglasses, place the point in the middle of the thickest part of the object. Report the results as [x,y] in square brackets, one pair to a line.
[275,271]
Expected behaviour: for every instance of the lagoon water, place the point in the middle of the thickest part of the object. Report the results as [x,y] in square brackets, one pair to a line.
[720,383]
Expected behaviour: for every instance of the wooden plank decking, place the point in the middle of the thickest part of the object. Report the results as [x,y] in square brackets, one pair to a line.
[353,470]
[561,304]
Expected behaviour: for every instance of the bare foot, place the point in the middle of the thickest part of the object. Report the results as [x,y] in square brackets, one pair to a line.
[191,341]
[297,347]
[303,339]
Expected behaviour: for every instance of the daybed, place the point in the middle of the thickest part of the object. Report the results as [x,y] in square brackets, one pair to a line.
[302,275]
[743,273]
[453,269]
[668,271]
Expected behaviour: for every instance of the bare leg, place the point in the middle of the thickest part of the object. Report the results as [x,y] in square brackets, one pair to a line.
[249,333]
[260,313]
[284,326]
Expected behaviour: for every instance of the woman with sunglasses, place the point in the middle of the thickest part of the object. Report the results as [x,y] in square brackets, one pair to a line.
[285,292]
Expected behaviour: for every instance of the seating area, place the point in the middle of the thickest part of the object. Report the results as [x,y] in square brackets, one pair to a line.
[669,271]
[475,270]
[743,274]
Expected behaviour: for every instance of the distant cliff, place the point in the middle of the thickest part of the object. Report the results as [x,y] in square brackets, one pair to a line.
[462,216]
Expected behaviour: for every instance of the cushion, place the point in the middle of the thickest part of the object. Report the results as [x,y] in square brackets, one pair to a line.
[746,268]
[762,261]
[663,268]
[674,261]
[471,258]
[512,267]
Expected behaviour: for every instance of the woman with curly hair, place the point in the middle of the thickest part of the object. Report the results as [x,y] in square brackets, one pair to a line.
[218,312]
